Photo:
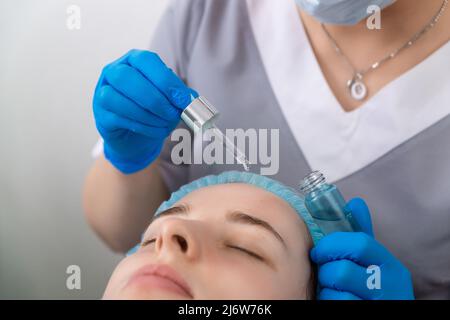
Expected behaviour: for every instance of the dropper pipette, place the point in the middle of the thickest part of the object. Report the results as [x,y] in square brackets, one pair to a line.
[200,115]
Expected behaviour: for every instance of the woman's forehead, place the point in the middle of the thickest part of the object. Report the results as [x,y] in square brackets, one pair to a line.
[250,199]
[234,194]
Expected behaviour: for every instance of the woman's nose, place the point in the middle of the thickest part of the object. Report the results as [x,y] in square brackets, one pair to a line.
[178,237]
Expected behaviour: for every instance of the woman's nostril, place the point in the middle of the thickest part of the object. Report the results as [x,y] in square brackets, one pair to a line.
[181,242]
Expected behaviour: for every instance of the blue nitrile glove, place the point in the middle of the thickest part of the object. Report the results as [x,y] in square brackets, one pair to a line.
[343,259]
[137,104]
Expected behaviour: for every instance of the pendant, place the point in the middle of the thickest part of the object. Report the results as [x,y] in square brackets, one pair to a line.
[358,90]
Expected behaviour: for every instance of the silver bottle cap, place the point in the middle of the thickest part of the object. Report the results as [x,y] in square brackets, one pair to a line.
[199,114]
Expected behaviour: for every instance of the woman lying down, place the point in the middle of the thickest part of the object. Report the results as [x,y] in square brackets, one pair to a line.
[237,235]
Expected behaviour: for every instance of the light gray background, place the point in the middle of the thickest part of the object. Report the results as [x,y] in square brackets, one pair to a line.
[47,76]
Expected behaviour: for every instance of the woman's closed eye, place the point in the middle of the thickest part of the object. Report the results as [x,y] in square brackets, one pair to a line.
[246,251]
[238,248]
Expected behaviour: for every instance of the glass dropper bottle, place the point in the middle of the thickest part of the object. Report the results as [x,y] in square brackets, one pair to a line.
[326,205]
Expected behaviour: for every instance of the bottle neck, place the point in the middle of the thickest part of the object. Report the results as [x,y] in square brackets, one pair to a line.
[312,182]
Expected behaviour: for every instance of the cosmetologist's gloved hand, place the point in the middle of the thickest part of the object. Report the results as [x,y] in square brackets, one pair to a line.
[343,259]
[137,104]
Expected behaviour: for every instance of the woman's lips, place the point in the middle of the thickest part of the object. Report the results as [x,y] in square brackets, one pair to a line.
[162,277]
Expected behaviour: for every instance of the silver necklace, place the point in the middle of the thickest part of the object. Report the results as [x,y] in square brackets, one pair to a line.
[356,86]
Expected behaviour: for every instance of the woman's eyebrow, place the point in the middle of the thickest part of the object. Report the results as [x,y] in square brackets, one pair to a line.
[240,217]
[181,209]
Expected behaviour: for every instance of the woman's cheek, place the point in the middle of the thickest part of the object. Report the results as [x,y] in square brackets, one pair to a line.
[121,275]
[238,277]
[113,287]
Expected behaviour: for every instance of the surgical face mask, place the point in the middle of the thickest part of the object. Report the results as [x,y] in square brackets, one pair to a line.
[346,12]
